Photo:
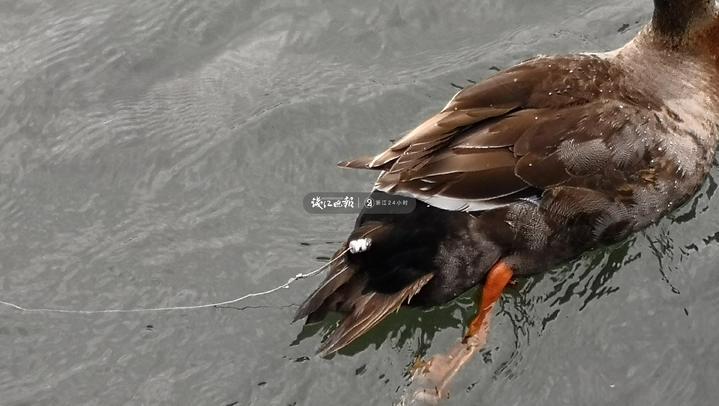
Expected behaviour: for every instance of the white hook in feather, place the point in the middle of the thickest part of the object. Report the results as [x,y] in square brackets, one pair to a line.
[360,245]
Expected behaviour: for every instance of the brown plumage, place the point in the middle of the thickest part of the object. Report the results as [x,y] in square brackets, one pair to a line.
[535,165]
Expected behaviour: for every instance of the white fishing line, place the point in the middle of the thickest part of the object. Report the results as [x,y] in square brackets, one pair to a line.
[169,308]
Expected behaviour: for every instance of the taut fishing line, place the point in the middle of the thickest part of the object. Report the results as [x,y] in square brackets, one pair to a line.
[169,308]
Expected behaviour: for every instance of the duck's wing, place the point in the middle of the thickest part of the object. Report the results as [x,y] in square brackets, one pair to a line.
[545,122]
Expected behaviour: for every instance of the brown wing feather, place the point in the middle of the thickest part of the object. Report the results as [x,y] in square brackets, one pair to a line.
[531,127]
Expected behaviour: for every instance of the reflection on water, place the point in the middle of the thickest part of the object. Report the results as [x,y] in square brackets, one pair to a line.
[155,153]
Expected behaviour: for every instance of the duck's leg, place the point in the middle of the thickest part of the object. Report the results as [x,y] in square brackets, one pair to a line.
[498,278]
[435,375]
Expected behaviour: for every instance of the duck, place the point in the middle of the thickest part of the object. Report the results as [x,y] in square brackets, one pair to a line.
[529,169]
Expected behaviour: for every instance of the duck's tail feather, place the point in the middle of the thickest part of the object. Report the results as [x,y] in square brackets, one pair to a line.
[367,310]
[343,283]
[346,290]
[316,305]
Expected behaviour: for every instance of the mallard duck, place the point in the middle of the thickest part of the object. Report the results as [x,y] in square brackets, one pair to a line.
[529,169]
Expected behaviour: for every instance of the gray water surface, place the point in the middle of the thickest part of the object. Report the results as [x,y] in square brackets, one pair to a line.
[156,153]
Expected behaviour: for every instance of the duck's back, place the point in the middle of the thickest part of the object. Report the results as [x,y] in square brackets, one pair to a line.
[597,136]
